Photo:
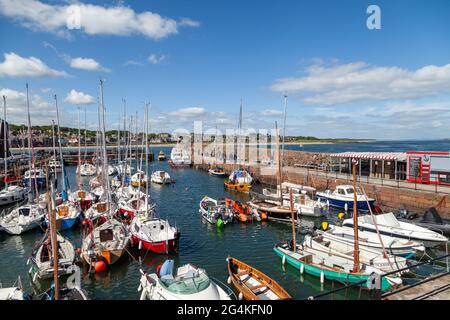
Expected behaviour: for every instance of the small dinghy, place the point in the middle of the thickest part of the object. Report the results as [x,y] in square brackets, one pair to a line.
[161,156]
[217,172]
[105,243]
[252,284]
[239,180]
[139,179]
[161,177]
[389,225]
[22,219]
[430,220]
[187,283]
[42,258]
[65,293]
[215,211]
[244,212]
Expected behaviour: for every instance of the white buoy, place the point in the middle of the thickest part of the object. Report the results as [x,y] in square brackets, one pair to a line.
[283,261]
[322,277]
[241,296]
[346,207]
[229,280]
[302,268]
[140,244]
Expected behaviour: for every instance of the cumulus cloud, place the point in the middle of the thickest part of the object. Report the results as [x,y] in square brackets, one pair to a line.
[272,112]
[78,97]
[155,59]
[87,64]
[17,66]
[116,20]
[40,109]
[188,112]
[359,81]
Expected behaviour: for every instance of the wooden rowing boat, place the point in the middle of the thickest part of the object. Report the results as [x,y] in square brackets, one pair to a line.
[252,284]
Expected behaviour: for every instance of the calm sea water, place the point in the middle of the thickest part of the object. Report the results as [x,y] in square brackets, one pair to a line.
[201,243]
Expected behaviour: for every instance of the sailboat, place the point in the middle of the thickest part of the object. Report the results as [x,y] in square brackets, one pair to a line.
[81,197]
[10,193]
[239,180]
[68,213]
[327,265]
[104,244]
[148,231]
[29,215]
[216,170]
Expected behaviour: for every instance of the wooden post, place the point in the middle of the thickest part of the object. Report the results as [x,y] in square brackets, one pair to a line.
[293,220]
[355,220]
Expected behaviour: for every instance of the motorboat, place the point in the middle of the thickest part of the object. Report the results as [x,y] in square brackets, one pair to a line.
[87,169]
[430,220]
[161,177]
[343,197]
[215,211]
[161,156]
[22,219]
[253,284]
[180,157]
[105,243]
[244,212]
[139,179]
[187,283]
[16,292]
[34,174]
[388,224]
[217,172]
[41,260]
[12,194]
[373,241]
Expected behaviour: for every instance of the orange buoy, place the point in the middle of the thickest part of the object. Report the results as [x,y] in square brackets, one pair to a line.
[100,266]
[263,216]
[243,217]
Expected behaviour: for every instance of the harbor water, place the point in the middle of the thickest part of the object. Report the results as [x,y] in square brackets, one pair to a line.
[201,243]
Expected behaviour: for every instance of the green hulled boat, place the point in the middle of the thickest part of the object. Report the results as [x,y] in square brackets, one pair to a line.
[332,267]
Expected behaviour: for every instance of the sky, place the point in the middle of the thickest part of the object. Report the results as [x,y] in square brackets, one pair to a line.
[196,60]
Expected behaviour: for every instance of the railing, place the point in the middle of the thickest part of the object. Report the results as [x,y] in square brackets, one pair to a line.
[374,283]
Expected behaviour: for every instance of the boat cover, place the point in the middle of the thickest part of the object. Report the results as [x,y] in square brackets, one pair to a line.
[166,268]
[431,215]
[386,219]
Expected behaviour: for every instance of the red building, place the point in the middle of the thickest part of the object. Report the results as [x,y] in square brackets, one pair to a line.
[428,167]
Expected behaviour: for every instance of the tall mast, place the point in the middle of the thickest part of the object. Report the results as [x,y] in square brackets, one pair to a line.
[146,158]
[355,220]
[85,132]
[279,164]
[5,154]
[31,150]
[118,140]
[79,150]
[284,132]
[61,159]
[53,137]
[53,236]
[105,155]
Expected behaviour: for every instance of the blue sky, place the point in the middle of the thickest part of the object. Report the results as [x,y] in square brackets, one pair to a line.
[195,60]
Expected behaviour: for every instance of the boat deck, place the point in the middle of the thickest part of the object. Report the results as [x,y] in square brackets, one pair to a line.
[433,288]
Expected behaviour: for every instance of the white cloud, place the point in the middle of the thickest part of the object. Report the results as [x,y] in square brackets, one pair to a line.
[78,97]
[40,109]
[95,20]
[188,112]
[155,59]
[359,81]
[271,113]
[87,64]
[17,66]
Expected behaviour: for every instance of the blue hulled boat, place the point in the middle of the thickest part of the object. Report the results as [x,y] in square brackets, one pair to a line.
[342,197]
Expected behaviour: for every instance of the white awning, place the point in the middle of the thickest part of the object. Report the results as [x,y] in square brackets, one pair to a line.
[399,156]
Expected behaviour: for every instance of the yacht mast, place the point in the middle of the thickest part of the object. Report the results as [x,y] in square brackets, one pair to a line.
[63,169]
[280,177]
[284,132]
[5,153]
[54,143]
[31,150]
[105,155]
[146,158]
[79,150]
[355,220]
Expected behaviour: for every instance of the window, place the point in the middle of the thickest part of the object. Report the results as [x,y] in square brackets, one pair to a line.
[341,191]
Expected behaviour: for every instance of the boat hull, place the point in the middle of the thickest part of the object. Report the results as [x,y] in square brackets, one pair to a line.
[178,165]
[160,247]
[342,277]
[239,187]
[341,204]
